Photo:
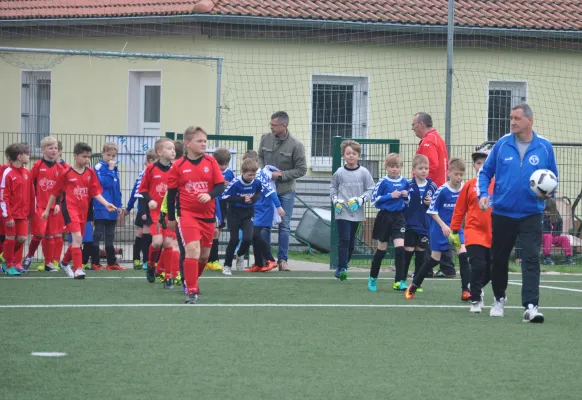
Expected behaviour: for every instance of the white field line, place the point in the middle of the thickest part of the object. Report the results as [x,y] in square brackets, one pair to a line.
[273,305]
[550,287]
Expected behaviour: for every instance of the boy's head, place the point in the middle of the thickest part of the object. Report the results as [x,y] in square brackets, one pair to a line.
[195,139]
[222,157]
[393,164]
[179,148]
[251,155]
[420,166]
[109,152]
[351,151]
[17,152]
[480,155]
[456,172]
[165,150]
[248,169]
[82,154]
[50,148]
[150,156]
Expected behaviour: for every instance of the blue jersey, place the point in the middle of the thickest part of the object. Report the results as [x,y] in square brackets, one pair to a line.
[135,194]
[382,194]
[266,205]
[238,188]
[228,175]
[417,219]
[443,204]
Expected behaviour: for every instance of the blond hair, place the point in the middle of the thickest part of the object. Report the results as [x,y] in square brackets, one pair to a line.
[419,159]
[110,146]
[355,146]
[191,131]
[392,160]
[150,155]
[48,141]
[249,165]
[160,143]
[457,164]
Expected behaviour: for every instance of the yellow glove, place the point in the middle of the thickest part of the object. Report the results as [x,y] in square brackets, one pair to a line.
[455,241]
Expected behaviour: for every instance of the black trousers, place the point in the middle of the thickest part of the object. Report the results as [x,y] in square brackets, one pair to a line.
[346,232]
[505,231]
[239,218]
[480,260]
[261,250]
[447,264]
[105,229]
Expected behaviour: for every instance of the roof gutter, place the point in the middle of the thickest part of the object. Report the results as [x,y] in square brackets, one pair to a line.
[298,23]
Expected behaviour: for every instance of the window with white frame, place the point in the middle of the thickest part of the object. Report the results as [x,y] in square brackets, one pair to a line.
[338,108]
[502,97]
[35,106]
[144,103]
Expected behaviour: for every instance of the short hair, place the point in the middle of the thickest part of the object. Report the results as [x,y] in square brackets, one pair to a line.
[424,118]
[150,155]
[59,145]
[26,148]
[251,155]
[249,165]
[82,148]
[110,146]
[457,164]
[179,147]
[48,141]
[14,150]
[160,143]
[222,156]
[419,159]
[191,131]
[527,111]
[355,146]
[392,160]
[282,117]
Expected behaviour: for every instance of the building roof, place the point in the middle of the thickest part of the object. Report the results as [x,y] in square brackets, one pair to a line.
[528,14]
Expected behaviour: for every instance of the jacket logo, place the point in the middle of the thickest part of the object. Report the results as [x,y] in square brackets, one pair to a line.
[46,184]
[427,144]
[206,169]
[534,160]
[509,159]
[187,170]
[161,188]
[81,192]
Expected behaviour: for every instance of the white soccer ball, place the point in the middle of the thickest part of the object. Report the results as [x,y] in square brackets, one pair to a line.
[543,182]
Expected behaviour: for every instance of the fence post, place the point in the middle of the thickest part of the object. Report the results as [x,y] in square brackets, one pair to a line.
[335,165]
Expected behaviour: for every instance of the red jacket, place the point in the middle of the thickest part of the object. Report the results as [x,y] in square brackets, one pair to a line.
[16,193]
[434,148]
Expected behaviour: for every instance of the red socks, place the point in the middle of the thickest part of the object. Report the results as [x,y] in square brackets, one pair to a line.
[77,258]
[175,263]
[191,275]
[9,245]
[67,257]
[201,267]
[153,256]
[34,243]
[18,252]
[57,249]
[168,260]
[48,246]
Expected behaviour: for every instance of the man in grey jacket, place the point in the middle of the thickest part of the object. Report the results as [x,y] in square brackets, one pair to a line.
[280,149]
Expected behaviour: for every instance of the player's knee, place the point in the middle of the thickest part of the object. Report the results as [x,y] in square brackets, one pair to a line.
[21,239]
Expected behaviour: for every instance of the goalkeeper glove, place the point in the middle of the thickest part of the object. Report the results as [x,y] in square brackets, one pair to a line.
[355,203]
[455,241]
[338,205]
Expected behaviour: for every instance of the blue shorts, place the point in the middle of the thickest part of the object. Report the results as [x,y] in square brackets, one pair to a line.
[438,241]
[264,215]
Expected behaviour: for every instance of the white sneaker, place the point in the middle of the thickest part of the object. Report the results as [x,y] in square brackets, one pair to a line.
[67,270]
[497,309]
[79,274]
[226,271]
[240,263]
[532,315]
[482,302]
[476,307]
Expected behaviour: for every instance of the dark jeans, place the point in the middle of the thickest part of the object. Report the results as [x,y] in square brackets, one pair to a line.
[346,232]
[105,229]
[505,231]
[480,260]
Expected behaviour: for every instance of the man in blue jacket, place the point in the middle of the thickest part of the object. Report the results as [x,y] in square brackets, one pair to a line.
[105,221]
[517,211]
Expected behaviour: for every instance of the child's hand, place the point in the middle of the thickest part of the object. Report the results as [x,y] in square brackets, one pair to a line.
[153,204]
[10,224]
[396,194]
[57,209]
[111,164]
[125,212]
[427,200]
[172,226]
[110,207]
[446,230]
[44,215]
[404,193]
[248,199]
[355,203]
[203,198]
[281,211]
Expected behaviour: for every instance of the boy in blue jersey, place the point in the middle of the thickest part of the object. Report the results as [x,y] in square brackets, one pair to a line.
[241,196]
[222,157]
[420,192]
[441,210]
[143,232]
[264,212]
[390,196]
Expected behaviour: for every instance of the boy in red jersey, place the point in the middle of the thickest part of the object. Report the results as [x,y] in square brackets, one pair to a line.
[15,202]
[78,185]
[2,232]
[44,174]
[152,189]
[197,180]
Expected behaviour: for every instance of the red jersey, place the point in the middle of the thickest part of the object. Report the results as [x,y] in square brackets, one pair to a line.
[16,193]
[192,178]
[155,182]
[44,178]
[78,190]
[434,148]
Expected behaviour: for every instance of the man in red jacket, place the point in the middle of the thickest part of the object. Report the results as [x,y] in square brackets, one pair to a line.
[434,148]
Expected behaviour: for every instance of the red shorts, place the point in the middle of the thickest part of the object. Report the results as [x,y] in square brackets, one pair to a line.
[76,227]
[2,231]
[192,230]
[156,228]
[20,228]
[51,226]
